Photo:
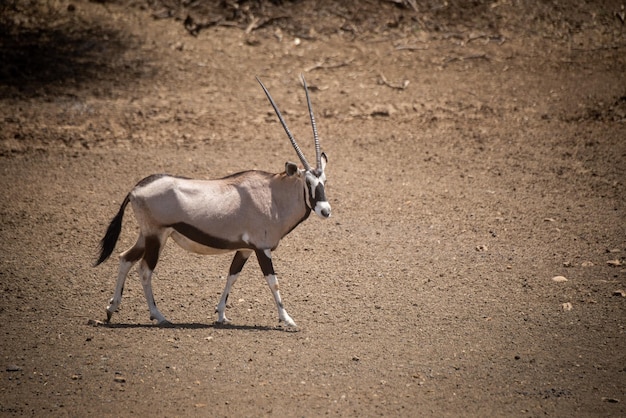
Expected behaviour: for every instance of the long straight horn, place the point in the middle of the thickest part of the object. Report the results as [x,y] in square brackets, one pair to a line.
[318,154]
[282,121]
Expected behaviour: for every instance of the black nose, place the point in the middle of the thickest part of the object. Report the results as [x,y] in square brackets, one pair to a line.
[325,213]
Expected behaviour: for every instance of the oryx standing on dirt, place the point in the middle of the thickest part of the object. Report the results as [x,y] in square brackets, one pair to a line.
[246,212]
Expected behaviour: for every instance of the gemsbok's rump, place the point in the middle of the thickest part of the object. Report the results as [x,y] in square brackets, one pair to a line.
[245,212]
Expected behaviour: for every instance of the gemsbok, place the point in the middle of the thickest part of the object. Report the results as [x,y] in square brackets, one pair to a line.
[247,212]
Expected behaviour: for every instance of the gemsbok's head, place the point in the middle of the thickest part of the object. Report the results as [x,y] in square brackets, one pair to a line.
[314,178]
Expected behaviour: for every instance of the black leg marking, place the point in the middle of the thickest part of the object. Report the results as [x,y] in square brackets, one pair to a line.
[265,263]
[134,254]
[151,253]
[238,262]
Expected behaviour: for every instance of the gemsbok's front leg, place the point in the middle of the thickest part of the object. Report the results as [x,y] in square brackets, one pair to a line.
[265,261]
[235,268]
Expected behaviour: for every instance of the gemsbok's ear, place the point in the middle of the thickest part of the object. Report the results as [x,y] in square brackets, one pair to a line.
[324,160]
[291,168]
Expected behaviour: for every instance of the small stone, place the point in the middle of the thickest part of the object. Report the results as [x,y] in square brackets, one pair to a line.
[586,264]
[559,279]
[381,109]
[620,292]
[13,368]
[610,400]
[119,379]
[567,306]
[614,263]
[178,46]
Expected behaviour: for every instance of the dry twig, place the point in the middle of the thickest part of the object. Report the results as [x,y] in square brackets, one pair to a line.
[398,86]
[324,65]
[411,48]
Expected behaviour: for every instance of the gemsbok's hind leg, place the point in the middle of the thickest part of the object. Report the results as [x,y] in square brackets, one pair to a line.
[235,268]
[265,261]
[127,259]
[153,247]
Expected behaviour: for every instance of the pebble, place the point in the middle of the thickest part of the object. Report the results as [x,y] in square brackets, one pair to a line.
[13,368]
[610,400]
[567,306]
[559,279]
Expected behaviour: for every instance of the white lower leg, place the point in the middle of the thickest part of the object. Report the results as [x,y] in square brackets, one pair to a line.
[272,282]
[146,282]
[115,301]
[221,306]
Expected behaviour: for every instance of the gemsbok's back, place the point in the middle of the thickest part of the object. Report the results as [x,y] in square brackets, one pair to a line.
[246,212]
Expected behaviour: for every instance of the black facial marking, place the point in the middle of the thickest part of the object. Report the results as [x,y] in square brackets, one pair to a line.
[317,194]
[320,194]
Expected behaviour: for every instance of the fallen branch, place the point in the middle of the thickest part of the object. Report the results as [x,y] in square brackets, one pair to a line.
[411,48]
[323,65]
[467,58]
[194,27]
[257,23]
[398,86]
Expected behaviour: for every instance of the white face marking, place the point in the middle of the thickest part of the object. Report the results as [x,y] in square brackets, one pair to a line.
[322,209]
[245,238]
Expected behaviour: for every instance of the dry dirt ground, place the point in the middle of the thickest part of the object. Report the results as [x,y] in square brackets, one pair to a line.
[476,152]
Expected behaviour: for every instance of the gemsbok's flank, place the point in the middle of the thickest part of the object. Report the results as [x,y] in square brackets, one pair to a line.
[245,212]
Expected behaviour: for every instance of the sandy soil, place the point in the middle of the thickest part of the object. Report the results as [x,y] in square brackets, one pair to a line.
[476,152]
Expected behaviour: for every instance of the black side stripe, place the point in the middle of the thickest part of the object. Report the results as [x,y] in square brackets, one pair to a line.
[207,240]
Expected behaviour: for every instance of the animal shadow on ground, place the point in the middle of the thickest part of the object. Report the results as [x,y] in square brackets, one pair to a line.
[190,325]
